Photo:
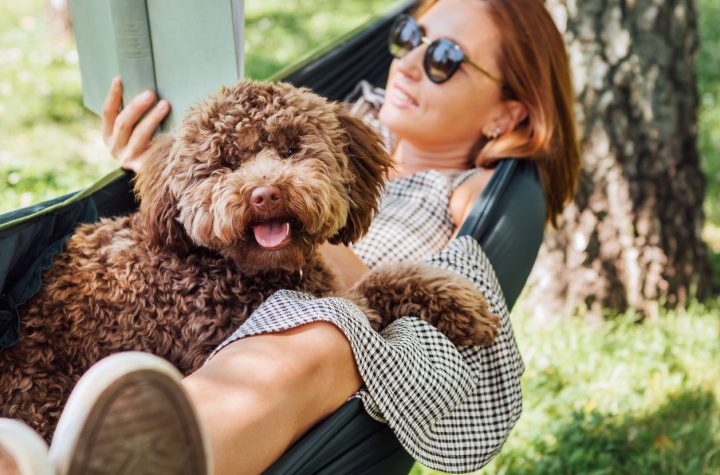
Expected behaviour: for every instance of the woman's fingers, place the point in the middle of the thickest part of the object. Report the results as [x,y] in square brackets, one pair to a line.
[128,133]
[111,108]
[128,119]
[144,130]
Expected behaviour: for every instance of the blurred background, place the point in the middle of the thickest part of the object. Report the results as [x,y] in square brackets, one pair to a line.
[633,391]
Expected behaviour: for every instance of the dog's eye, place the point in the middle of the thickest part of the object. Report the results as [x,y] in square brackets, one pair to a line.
[289,152]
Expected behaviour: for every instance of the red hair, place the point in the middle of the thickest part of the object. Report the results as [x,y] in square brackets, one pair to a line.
[535,70]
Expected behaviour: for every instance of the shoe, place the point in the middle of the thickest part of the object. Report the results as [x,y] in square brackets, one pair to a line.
[22,450]
[129,415]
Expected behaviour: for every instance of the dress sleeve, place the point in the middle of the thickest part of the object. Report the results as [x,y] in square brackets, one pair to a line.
[456,435]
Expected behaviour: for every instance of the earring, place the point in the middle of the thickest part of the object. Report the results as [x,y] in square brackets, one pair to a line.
[495,133]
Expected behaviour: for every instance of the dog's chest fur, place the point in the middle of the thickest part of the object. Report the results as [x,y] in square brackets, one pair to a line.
[109,292]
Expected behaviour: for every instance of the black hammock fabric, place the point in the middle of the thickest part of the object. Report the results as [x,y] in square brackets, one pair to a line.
[508,220]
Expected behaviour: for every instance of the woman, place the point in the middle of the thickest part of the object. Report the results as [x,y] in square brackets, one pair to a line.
[473,81]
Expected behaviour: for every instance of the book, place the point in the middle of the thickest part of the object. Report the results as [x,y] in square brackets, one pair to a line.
[183,49]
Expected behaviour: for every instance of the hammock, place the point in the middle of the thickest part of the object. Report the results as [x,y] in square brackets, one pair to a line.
[508,220]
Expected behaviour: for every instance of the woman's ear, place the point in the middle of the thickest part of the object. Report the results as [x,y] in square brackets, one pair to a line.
[369,165]
[516,112]
[158,206]
[512,114]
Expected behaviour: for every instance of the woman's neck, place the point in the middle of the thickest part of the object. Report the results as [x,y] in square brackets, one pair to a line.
[410,159]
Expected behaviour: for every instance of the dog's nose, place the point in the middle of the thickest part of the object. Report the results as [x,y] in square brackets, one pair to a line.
[265,198]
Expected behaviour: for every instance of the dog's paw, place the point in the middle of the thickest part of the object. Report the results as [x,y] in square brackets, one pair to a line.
[463,313]
[449,302]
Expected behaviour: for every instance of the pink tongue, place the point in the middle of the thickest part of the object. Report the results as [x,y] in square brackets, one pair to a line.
[271,234]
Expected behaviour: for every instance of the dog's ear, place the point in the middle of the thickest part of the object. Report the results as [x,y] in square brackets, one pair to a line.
[158,206]
[369,165]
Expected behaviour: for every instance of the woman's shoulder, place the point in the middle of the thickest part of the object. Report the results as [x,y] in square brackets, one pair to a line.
[467,192]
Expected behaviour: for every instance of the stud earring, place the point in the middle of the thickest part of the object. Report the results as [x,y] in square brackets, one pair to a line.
[495,133]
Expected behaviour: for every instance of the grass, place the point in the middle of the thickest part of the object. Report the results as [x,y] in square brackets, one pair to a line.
[49,144]
[279,32]
[617,397]
[613,397]
[709,122]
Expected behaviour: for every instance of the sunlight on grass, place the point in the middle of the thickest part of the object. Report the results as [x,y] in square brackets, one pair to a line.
[279,32]
[709,86]
[617,397]
[49,144]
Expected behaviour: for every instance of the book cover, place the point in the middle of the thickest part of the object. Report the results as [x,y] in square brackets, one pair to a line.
[197,46]
[183,49]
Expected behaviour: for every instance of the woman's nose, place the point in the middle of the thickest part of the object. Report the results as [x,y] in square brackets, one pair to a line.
[410,65]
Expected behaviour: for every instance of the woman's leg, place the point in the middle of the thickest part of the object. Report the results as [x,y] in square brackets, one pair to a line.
[260,394]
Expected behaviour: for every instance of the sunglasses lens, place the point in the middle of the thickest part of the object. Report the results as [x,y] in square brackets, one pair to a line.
[405,35]
[442,59]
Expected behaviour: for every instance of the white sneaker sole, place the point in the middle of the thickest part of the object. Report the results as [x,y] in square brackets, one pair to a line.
[27,449]
[129,415]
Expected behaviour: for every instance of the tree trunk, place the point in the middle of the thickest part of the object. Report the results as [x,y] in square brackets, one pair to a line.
[632,237]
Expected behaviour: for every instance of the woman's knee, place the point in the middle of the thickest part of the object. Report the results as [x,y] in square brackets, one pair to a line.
[309,359]
[295,378]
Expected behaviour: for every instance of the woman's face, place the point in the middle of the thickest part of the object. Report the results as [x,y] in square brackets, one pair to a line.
[464,107]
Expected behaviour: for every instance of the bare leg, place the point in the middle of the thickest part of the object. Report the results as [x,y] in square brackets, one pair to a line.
[260,394]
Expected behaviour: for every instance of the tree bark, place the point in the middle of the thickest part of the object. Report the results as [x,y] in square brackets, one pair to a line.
[631,239]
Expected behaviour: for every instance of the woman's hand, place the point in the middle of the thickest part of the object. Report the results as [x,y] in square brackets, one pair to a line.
[347,266]
[128,133]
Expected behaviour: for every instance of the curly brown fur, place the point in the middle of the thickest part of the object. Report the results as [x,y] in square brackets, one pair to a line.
[179,276]
[444,299]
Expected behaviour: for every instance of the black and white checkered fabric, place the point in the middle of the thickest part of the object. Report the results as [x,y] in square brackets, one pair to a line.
[451,408]
[414,220]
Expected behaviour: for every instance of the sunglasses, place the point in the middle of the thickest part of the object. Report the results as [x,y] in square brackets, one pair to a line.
[442,58]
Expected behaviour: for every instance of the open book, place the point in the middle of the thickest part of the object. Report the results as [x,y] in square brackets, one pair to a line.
[183,49]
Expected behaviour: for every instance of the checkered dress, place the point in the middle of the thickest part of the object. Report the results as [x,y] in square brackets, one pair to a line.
[450,407]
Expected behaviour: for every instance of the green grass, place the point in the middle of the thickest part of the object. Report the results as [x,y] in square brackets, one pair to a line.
[49,144]
[278,32]
[617,397]
[709,87]
[709,122]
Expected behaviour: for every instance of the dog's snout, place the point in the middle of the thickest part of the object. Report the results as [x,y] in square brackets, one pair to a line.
[266,198]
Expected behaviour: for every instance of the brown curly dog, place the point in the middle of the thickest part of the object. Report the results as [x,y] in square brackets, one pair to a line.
[233,205]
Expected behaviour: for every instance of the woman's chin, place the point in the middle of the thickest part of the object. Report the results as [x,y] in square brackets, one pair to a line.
[396,119]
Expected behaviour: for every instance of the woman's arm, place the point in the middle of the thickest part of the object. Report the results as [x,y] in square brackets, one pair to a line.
[465,195]
[347,266]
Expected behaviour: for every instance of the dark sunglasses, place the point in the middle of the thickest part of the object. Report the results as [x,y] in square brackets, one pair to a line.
[443,56]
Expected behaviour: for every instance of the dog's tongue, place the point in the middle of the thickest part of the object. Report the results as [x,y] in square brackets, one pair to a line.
[271,234]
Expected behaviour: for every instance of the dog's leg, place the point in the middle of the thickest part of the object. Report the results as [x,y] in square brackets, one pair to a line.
[439,297]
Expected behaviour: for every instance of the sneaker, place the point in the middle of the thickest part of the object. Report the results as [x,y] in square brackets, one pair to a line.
[129,415]
[22,450]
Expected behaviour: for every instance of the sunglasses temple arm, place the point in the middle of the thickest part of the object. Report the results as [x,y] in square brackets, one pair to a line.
[483,70]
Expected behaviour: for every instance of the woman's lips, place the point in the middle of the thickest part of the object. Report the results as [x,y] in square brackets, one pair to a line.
[400,98]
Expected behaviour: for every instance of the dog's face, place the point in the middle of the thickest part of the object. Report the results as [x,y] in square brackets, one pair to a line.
[262,173]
